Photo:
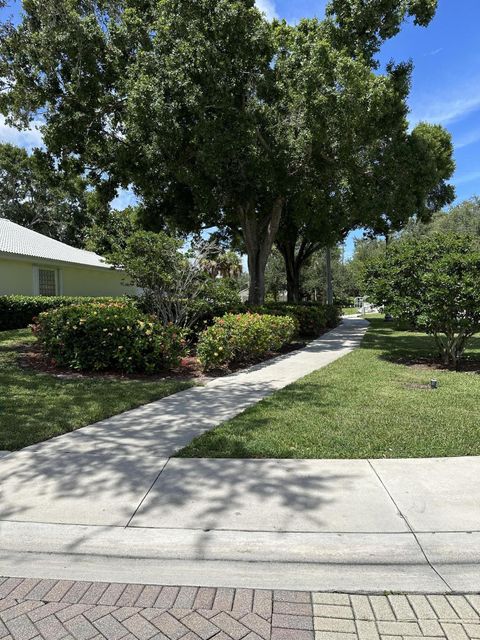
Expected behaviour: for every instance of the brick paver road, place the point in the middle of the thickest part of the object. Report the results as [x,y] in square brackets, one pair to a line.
[66,610]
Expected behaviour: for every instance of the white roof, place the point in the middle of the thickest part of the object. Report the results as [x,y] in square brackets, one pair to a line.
[20,241]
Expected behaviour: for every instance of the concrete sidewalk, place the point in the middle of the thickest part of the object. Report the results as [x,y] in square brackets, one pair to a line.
[396,525]
[161,428]
[108,503]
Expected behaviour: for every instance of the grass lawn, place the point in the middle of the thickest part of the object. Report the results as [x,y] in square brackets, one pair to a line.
[365,405]
[36,406]
[349,311]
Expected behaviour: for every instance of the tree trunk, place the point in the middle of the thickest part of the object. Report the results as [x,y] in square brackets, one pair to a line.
[256,271]
[295,255]
[451,348]
[328,254]
[293,285]
[259,235]
[292,269]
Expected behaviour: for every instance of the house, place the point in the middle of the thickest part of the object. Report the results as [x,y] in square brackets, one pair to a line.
[245,293]
[33,264]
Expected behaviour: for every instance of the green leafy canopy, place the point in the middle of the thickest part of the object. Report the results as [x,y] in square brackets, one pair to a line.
[215,115]
[432,284]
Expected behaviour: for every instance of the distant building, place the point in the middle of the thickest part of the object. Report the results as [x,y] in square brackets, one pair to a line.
[245,293]
[33,264]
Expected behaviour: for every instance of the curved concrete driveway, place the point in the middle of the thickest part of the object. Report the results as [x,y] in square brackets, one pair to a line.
[108,503]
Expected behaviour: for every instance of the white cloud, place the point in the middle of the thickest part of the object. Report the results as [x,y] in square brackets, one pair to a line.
[465,178]
[268,8]
[445,109]
[468,138]
[435,52]
[28,138]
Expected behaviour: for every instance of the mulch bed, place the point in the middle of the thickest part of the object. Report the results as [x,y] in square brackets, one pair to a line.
[31,357]
[468,365]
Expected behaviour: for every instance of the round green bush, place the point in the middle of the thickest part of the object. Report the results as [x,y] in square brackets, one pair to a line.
[313,319]
[109,337]
[243,338]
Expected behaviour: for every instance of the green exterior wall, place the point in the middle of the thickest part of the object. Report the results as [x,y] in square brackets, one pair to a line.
[17,277]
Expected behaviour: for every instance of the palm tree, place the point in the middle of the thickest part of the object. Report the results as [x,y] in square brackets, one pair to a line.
[225,264]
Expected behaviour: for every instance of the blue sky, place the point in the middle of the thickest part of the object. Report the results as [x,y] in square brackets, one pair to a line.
[446,79]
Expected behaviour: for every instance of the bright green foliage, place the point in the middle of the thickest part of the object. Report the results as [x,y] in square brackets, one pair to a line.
[463,218]
[433,284]
[312,319]
[151,261]
[243,338]
[35,406]
[213,114]
[366,250]
[364,26]
[109,337]
[17,312]
[373,403]
[409,179]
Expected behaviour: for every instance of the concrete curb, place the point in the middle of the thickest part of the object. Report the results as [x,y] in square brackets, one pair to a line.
[360,563]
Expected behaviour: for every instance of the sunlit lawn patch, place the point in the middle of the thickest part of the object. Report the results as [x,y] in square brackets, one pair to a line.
[375,402]
[35,406]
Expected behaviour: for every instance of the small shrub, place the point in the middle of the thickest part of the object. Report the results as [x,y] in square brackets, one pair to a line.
[243,338]
[177,285]
[333,314]
[109,337]
[17,312]
[220,297]
[313,319]
[431,284]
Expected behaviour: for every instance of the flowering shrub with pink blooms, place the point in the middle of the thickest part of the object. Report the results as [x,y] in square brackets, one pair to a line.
[109,337]
[243,338]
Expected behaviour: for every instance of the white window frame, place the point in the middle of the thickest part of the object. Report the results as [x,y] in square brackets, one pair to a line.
[36,279]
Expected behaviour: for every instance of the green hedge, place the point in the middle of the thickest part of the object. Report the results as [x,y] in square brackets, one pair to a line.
[109,337]
[17,312]
[313,319]
[243,338]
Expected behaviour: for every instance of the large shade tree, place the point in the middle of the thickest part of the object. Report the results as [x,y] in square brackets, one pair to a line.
[410,181]
[212,113]
[297,123]
[402,176]
[34,194]
[320,215]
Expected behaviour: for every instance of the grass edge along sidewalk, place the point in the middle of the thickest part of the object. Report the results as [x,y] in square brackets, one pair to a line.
[36,406]
[376,402]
